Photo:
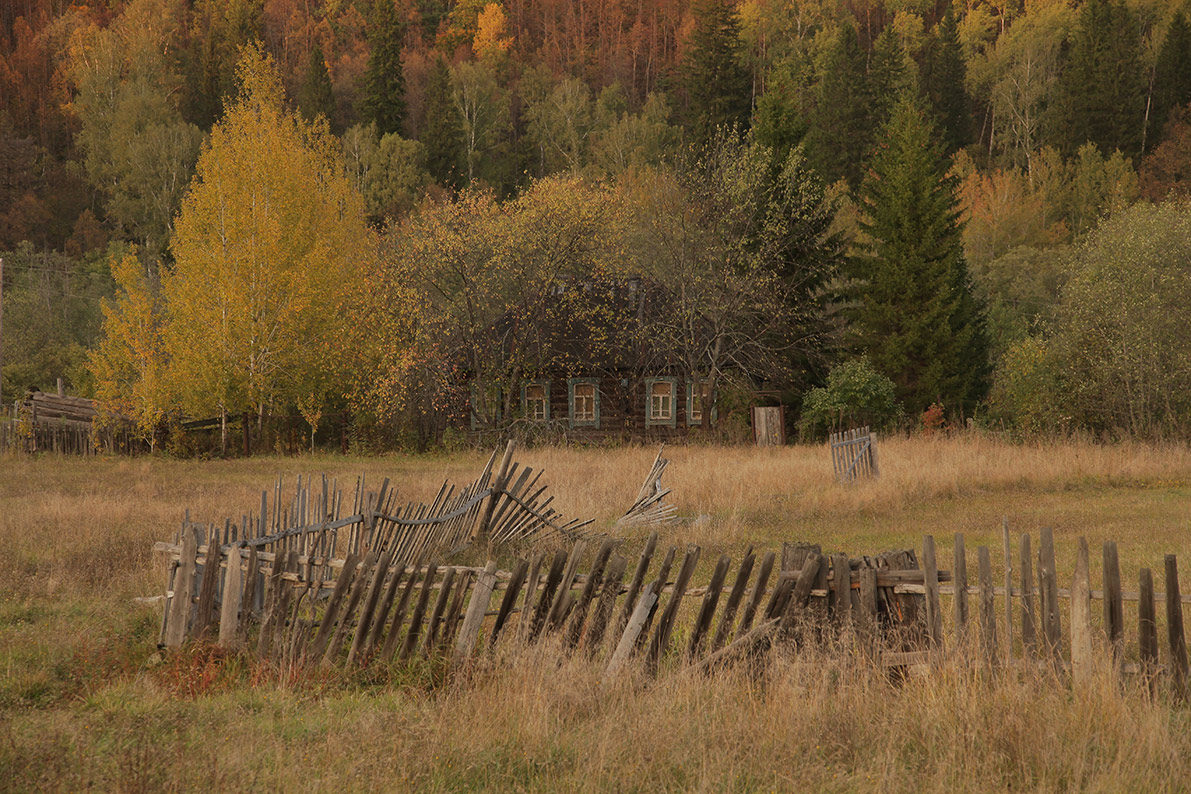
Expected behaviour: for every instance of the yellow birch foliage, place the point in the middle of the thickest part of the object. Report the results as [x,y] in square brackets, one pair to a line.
[272,254]
[127,362]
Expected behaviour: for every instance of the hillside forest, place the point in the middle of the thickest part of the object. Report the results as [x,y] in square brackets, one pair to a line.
[906,213]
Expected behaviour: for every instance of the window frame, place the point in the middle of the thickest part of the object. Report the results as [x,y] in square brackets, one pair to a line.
[545,384]
[649,384]
[571,384]
[690,404]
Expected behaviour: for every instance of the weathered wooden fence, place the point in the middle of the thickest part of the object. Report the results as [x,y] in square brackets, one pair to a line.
[56,423]
[371,606]
[854,454]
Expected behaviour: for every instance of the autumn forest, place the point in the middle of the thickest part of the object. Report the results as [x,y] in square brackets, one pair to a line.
[389,216]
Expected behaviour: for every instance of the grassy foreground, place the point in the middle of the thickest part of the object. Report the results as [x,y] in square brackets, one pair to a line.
[86,700]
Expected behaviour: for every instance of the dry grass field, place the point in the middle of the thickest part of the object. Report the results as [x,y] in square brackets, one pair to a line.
[86,701]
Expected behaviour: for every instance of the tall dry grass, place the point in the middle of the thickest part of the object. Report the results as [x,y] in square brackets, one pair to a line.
[86,701]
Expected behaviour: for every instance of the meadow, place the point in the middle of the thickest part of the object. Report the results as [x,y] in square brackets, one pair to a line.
[87,700]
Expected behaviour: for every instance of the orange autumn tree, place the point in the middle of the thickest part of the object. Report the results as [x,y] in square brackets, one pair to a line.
[272,254]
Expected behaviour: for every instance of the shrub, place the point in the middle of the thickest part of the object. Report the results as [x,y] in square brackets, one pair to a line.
[1027,393]
[855,394]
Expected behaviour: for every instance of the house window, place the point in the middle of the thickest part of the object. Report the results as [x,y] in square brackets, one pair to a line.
[535,400]
[659,407]
[584,399]
[694,403]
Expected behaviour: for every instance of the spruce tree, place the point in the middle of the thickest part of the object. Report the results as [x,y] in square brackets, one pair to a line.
[442,132]
[840,125]
[1172,77]
[315,95]
[888,78]
[917,316]
[942,81]
[718,86]
[383,95]
[1102,90]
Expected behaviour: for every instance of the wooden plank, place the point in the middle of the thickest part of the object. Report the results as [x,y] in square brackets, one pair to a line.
[205,608]
[520,570]
[665,628]
[545,602]
[1081,618]
[1114,608]
[358,586]
[801,593]
[606,604]
[659,587]
[959,574]
[707,608]
[1029,618]
[1174,630]
[381,615]
[1052,631]
[393,639]
[866,616]
[841,589]
[531,588]
[1147,627]
[988,608]
[734,597]
[750,608]
[178,615]
[436,614]
[285,595]
[331,614]
[251,575]
[1006,548]
[579,613]
[229,613]
[376,585]
[934,619]
[454,613]
[274,586]
[481,594]
[415,622]
[632,630]
[636,582]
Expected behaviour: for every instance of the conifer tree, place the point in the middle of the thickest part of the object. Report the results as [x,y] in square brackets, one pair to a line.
[383,94]
[719,89]
[888,78]
[1102,86]
[315,95]
[942,81]
[1172,77]
[442,133]
[840,133]
[918,318]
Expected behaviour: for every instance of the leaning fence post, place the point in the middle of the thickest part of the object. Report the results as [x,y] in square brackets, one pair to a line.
[934,620]
[1081,619]
[1048,587]
[230,609]
[1005,544]
[498,486]
[179,611]
[988,607]
[481,594]
[959,578]
[1174,628]
[1114,608]
[1147,627]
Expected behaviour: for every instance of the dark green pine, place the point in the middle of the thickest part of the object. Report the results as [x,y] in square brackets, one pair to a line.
[442,132]
[718,86]
[942,81]
[383,92]
[315,95]
[1172,77]
[840,130]
[916,314]
[1102,90]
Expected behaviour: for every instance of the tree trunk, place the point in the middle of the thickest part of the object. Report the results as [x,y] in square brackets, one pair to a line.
[223,431]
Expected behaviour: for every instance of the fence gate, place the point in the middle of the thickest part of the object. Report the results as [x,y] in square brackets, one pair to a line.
[854,454]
